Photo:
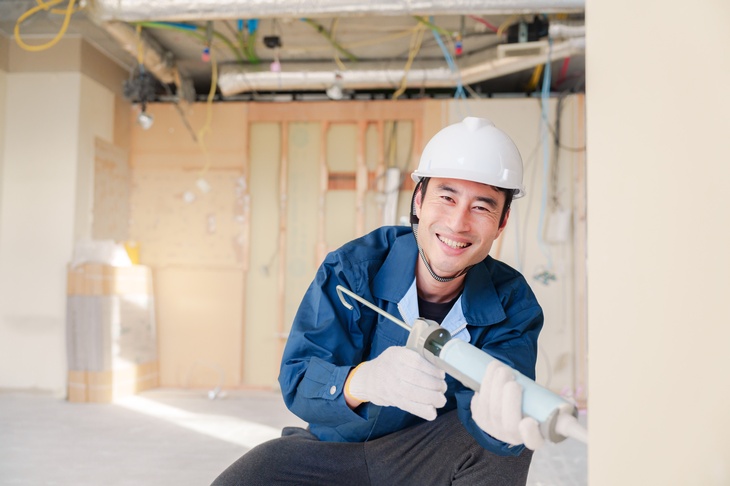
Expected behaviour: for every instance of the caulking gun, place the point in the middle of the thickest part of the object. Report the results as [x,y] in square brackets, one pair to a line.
[467,363]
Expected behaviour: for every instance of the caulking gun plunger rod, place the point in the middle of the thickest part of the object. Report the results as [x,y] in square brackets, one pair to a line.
[557,417]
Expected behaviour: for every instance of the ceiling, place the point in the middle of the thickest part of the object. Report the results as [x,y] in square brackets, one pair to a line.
[294,49]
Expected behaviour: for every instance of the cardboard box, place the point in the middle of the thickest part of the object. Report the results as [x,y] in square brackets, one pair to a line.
[107,386]
[110,332]
[100,279]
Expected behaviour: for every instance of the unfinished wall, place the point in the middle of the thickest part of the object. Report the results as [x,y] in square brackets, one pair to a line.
[290,182]
[189,215]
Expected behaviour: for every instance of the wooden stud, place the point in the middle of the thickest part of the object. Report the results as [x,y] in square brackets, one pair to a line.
[380,166]
[246,234]
[580,313]
[283,193]
[323,187]
[361,179]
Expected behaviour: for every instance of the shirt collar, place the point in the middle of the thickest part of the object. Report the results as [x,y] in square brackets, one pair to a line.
[398,270]
[479,301]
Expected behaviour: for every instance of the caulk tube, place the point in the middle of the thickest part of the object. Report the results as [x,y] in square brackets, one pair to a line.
[468,364]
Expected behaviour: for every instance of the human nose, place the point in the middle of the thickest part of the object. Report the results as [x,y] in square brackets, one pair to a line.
[459,219]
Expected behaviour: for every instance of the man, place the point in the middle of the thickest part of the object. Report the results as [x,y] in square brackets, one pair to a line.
[379,413]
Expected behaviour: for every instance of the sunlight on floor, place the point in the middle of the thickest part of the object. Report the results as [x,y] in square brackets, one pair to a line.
[230,429]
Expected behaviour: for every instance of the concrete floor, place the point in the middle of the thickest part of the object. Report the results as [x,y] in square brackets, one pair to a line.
[171,437]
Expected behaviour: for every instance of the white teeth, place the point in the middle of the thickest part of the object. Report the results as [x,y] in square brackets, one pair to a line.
[452,243]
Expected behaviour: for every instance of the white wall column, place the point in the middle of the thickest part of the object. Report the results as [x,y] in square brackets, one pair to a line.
[51,120]
[658,243]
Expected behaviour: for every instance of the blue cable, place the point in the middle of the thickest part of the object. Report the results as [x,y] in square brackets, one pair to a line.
[545,107]
[460,93]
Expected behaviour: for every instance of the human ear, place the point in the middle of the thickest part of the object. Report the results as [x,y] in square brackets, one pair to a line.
[504,222]
[417,202]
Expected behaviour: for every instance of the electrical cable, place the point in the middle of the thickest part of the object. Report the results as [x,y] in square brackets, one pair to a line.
[326,34]
[484,22]
[209,114]
[452,66]
[44,6]
[535,78]
[429,23]
[545,98]
[415,47]
[383,39]
[338,61]
[512,19]
[193,30]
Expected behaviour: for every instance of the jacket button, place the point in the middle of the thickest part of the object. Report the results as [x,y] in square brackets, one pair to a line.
[333,390]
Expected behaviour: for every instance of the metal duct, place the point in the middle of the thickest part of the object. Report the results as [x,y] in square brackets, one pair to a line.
[505,59]
[176,10]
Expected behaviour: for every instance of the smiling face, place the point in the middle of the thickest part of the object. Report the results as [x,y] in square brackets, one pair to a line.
[458,222]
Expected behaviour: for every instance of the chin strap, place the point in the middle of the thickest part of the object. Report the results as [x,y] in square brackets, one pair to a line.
[414,227]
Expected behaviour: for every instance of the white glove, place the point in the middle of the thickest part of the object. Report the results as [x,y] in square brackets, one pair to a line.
[497,409]
[399,377]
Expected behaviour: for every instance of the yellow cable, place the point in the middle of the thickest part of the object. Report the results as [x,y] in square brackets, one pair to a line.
[338,61]
[58,11]
[415,47]
[535,78]
[209,115]
[43,6]
[380,40]
[140,46]
[510,20]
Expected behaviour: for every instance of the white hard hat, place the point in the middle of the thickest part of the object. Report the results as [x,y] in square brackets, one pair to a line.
[473,150]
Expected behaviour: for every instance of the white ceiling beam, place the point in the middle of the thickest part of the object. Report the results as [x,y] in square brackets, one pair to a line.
[199,10]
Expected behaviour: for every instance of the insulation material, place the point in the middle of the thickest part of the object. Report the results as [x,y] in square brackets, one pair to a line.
[339,203]
[303,182]
[111,331]
[262,343]
[111,192]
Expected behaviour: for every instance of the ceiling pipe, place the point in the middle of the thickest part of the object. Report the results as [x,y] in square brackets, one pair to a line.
[154,58]
[505,59]
[198,10]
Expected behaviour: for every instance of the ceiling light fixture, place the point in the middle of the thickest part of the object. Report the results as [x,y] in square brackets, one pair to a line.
[145,119]
[335,92]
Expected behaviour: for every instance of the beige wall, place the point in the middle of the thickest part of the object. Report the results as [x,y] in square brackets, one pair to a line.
[658,240]
[36,240]
[3,93]
[51,119]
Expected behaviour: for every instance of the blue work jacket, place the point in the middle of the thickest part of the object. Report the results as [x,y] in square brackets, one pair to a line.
[497,310]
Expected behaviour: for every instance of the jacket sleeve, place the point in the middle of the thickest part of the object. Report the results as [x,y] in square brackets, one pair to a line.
[513,342]
[325,343]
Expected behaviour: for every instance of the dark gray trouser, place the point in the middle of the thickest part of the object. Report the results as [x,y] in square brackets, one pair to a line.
[438,452]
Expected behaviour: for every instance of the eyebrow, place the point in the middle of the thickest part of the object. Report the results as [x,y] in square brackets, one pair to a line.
[489,201]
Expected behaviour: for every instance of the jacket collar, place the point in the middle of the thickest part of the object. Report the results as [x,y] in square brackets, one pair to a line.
[480,302]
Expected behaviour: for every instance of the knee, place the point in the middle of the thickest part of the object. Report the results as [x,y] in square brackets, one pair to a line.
[253,468]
